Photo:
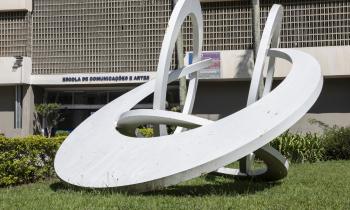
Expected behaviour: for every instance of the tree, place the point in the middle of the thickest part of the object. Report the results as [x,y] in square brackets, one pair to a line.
[246,163]
[256,25]
[180,64]
[256,34]
[50,116]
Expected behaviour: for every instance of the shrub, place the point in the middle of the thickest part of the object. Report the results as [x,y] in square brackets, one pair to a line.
[146,132]
[336,141]
[61,133]
[300,148]
[25,160]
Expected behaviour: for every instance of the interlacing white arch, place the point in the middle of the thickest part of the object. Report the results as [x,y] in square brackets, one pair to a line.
[102,151]
[181,11]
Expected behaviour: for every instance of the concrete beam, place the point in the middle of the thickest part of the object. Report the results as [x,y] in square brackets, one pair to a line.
[15,70]
[16,5]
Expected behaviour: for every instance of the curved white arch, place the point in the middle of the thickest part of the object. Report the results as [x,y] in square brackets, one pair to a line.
[276,164]
[269,39]
[96,155]
[182,10]
[257,89]
[135,118]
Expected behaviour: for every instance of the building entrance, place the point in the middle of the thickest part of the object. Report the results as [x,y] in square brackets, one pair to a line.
[77,104]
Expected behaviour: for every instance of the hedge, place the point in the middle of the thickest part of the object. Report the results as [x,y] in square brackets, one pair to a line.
[333,144]
[336,142]
[299,148]
[25,160]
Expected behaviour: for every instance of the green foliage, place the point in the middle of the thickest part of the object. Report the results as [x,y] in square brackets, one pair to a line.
[300,148]
[333,144]
[50,113]
[336,142]
[25,160]
[146,132]
[319,186]
[61,133]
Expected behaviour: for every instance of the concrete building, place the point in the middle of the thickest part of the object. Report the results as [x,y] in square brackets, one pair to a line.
[83,54]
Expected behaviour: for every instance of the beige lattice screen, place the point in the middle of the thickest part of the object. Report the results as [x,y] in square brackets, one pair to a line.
[14,34]
[312,23]
[227,26]
[92,36]
[306,23]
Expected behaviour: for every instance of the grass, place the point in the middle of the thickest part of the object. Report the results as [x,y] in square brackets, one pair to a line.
[323,185]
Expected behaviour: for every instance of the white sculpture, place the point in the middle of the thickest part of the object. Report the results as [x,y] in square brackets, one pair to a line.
[98,155]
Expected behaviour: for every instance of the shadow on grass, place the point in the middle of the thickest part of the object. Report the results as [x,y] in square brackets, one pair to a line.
[230,187]
[211,186]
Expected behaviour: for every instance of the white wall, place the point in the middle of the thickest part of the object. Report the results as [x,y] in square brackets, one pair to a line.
[239,64]
[88,79]
[236,64]
[305,124]
[16,5]
[11,75]
[333,61]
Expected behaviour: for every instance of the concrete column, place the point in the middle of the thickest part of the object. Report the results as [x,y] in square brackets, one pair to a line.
[27,110]
[18,107]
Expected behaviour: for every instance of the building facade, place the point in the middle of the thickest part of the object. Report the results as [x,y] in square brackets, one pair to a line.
[83,54]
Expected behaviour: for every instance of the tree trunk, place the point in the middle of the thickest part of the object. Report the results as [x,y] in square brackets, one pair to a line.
[256,25]
[246,163]
[180,64]
[49,131]
[44,126]
[256,35]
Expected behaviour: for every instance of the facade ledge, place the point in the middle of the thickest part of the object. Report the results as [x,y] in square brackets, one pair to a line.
[16,5]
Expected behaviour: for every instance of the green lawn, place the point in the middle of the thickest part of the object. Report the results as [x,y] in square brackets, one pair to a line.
[324,185]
